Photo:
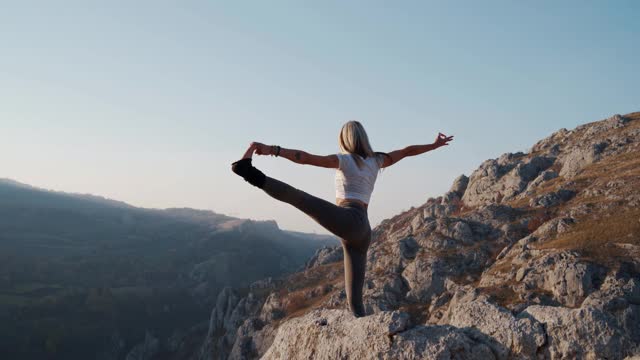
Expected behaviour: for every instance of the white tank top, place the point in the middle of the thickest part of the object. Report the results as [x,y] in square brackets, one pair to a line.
[353,182]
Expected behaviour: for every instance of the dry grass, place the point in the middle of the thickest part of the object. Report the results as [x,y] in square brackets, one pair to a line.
[502,295]
[538,217]
[298,305]
[632,124]
[593,234]
[621,166]
[294,293]
[460,208]
[505,296]
[379,271]
[501,267]
[625,165]
[313,277]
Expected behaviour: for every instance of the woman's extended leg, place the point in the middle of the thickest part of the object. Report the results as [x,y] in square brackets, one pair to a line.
[332,217]
[338,220]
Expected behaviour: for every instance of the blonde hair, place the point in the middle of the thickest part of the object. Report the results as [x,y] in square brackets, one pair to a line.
[353,140]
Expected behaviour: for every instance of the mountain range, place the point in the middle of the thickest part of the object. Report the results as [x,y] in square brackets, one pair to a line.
[82,276]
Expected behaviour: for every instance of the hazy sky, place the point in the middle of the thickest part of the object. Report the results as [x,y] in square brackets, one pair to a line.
[149,102]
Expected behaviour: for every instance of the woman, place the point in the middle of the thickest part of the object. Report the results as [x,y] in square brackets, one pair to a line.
[357,168]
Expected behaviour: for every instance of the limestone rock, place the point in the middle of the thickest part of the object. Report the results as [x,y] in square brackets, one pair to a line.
[520,336]
[552,199]
[563,274]
[543,177]
[498,180]
[336,334]
[325,255]
[272,309]
[579,158]
[384,293]
[425,277]
[459,185]
[229,313]
[584,333]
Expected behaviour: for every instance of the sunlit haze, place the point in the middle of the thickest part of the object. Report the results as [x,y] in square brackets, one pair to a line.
[150,103]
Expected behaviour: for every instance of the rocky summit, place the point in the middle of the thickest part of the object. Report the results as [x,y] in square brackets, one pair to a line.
[533,256]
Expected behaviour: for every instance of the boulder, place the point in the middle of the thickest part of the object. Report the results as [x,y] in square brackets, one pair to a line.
[564,275]
[552,199]
[425,278]
[517,336]
[578,158]
[498,180]
[383,293]
[583,333]
[459,185]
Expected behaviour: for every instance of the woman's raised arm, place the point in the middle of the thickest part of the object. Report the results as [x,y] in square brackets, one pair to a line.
[412,150]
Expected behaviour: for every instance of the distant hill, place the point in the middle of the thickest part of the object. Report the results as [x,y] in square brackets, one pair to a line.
[66,258]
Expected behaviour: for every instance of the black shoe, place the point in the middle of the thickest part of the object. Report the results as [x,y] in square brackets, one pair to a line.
[248,172]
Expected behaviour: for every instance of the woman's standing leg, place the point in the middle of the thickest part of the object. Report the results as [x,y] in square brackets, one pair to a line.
[353,228]
[355,264]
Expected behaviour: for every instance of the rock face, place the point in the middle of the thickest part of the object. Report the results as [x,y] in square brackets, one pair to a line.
[228,314]
[145,350]
[580,333]
[515,335]
[534,256]
[337,334]
[502,179]
[325,255]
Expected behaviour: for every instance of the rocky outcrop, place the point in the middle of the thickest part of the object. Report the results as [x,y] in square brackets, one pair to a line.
[563,275]
[230,312]
[506,265]
[337,334]
[519,336]
[425,277]
[502,179]
[552,199]
[459,185]
[584,333]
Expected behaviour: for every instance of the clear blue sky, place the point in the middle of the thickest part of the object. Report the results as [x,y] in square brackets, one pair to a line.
[149,102]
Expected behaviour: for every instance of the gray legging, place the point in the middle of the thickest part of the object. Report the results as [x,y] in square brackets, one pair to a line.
[348,221]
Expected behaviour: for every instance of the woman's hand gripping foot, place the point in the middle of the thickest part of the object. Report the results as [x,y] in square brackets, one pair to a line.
[246,170]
